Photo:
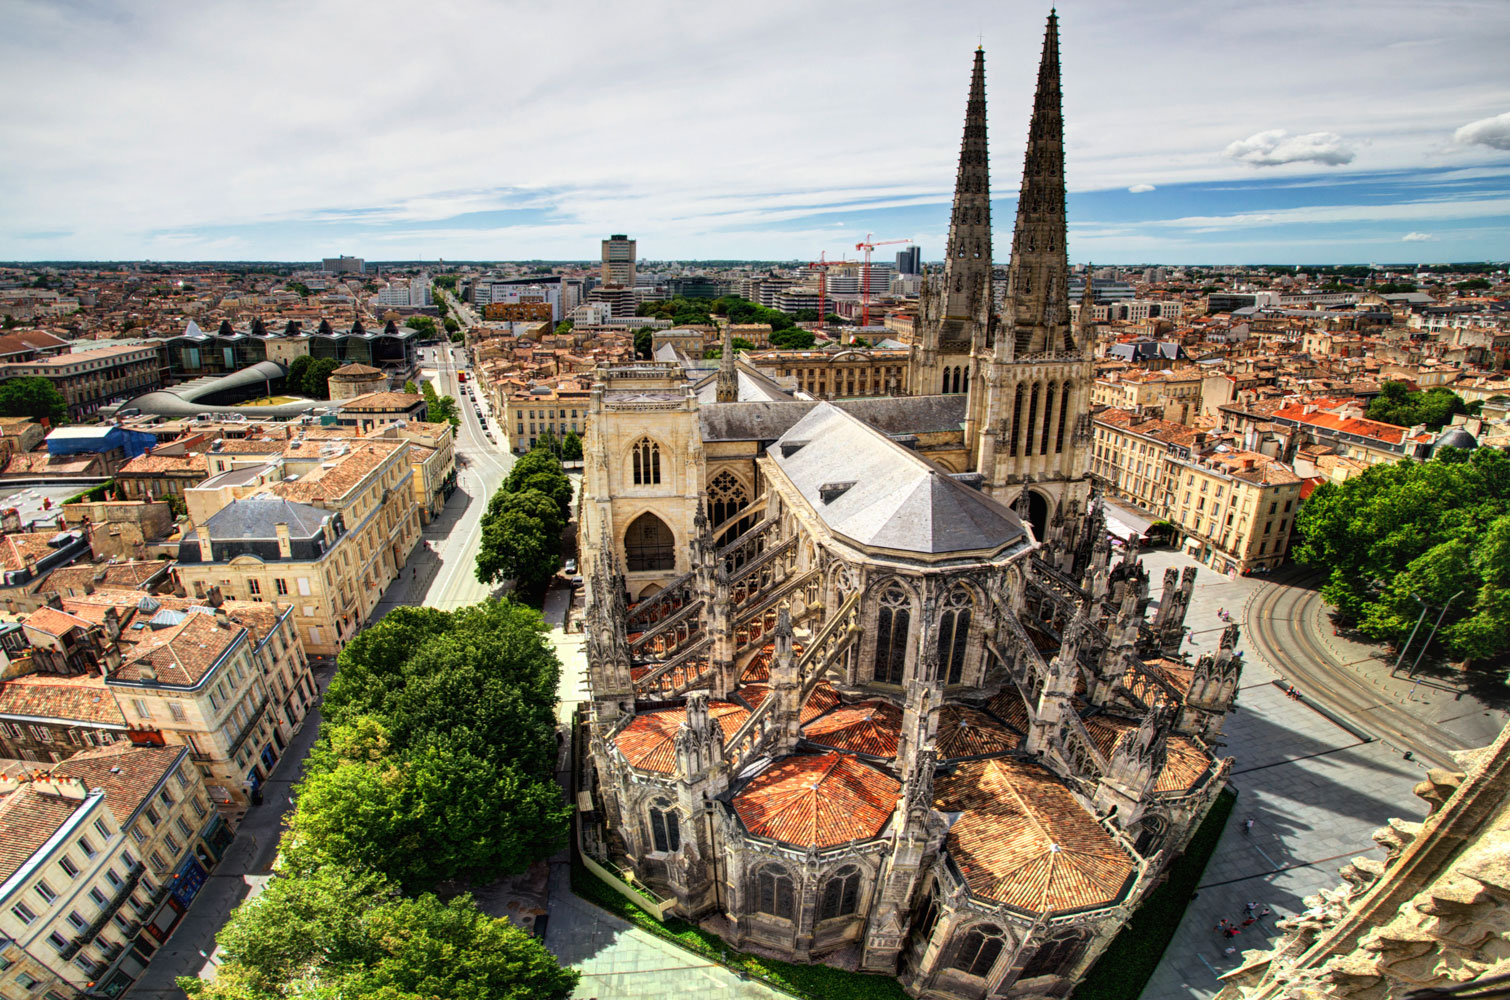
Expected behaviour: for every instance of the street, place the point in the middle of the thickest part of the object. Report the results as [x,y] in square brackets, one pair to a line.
[439,574]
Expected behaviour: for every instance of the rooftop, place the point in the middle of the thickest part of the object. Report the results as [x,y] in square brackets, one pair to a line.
[818,801]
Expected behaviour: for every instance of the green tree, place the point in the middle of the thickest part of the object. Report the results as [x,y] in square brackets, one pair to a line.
[35,397]
[1473,285]
[793,339]
[564,327]
[1418,529]
[518,543]
[740,344]
[547,441]
[336,933]
[317,378]
[411,389]
[440,409]
[642,343]
[300,287]
[540,470]
[424,324]
[451,325]
[1402,406]
[298,370]
[571,447]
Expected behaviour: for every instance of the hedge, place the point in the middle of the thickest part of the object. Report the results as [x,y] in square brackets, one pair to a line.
[1129,961]
[94,494]
[810,982]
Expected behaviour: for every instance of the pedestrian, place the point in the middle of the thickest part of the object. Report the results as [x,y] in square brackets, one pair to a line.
[1251,907]
[1264,913]
[1248,828]
[1230,949]
[1249,921]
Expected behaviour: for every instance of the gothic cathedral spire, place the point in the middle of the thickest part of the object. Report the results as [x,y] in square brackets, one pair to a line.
[1038,279]
[966,281]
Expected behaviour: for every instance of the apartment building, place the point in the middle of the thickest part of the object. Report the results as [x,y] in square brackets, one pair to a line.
[1130,454]
[558,407]
[104,853]
[88,380]
[1235,508]
[1176,395]
[840,374]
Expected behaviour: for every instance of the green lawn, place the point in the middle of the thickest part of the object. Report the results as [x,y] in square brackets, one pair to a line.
[1125,967]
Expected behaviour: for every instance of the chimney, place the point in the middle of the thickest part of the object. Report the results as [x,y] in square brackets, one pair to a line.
[222,617]
[212,596]
[285,543]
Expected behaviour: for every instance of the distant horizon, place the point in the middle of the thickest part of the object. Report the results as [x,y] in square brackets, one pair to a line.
[589,263]
[1205,133]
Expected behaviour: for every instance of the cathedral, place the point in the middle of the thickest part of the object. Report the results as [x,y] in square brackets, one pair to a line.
[868,683]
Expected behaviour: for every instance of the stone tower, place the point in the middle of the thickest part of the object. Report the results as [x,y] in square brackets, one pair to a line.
[1032,400]
[956,304]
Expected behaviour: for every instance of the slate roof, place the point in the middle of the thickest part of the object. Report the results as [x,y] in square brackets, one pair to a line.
[257,517]
[757,421]
[1022,840]
[892,498]
[818,801]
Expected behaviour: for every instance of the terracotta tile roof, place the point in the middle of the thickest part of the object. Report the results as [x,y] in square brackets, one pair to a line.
[339,479]
[823,698]
[1174,672]
[125,773]
[753,694]
[80,698]
[16,549]
[966,732]
[1009,707]
[869,727]
[164,465]
[384,402]
[818,801]
[1185,764]
[53,622]
[27,820]
[180,654]
[125,574]
[649,741]
[1388,433]
[1025,842]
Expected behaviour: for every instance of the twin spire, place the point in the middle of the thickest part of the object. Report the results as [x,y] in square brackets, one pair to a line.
[1038,277]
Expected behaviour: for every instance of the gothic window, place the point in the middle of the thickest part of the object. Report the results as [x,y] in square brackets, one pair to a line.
[1052,957]
[665,830]
[891,635]
[773,892]
[841,894]
[1048,408]
[978,950]
[649,544]
[1033,418]
[923,929]
[646,459]
[954,630]
[727,496]
[967,381]
[1064,409]
[1017,417]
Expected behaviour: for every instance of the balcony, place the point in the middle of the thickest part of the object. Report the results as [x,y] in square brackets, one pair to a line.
[249,728]
[133,878]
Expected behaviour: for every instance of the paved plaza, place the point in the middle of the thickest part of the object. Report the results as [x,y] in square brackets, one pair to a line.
[1314,791]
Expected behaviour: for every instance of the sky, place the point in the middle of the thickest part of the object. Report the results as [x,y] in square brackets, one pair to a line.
[1195,132]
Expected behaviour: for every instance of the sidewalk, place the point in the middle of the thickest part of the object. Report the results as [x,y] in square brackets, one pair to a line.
[240,875]
[1314,791]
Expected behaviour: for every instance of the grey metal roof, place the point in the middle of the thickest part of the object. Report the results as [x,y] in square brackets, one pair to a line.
[766,421]
[754,387]
[870,489]
[256,517]
[182,400]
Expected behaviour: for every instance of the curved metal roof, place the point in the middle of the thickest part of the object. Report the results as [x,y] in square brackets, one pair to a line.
[183,400]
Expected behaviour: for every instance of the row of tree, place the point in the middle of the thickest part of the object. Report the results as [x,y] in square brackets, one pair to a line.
[35,397]
[1433,532]
[1399,404]
[522,526]
[435,764]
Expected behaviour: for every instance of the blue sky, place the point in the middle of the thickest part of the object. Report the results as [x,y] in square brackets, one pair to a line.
[1201,132]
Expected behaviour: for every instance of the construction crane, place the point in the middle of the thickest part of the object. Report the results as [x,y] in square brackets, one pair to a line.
[868,245]
[822,266]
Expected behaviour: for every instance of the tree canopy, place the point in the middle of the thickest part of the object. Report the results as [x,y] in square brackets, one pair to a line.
[521,528]
[1422,530]
[1403,406]
[571,447]
[440,409]
[338,932]
[424,324]
[311,376]
[35,397]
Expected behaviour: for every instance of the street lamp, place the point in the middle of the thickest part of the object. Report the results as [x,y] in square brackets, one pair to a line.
[1434,628]
[1396,668]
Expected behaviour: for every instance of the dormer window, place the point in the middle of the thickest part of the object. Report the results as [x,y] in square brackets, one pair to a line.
[829,492]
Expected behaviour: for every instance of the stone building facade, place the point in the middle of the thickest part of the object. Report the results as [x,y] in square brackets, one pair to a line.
[855,693]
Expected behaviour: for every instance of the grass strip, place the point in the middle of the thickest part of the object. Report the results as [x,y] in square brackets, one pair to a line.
[1129,962]
[811,982]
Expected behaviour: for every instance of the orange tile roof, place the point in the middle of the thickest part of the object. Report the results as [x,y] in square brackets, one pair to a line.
[818,801]
[753,694]
[53,622]
[1177,674]
[966,732]
[823,698]
[124,772]
[180,654]
[80,698]
[28,819]
[17,548]
[1024,841]
[1185,763]
[649,741]
[869,727]
[1009,707]
[1388,433]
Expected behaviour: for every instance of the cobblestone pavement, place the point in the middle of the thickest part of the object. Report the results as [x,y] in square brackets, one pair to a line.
[1314,791]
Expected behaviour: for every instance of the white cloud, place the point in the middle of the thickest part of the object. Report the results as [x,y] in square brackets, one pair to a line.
[1277,147]
[1141,189]
[1492,132]
[1418,238]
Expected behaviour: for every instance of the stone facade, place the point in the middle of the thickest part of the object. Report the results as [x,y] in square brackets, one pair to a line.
[846,702]
[1431,916]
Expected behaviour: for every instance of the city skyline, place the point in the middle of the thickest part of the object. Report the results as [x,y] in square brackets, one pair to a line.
[1373,132]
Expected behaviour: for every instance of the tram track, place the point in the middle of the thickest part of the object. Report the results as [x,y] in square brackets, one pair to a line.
[1300,658]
